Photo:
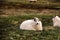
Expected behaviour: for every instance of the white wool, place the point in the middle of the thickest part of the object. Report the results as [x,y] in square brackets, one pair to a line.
[31,25]
[56,21]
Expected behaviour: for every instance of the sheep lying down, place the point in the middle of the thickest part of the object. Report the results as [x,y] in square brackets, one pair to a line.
[33,24]
[56,21]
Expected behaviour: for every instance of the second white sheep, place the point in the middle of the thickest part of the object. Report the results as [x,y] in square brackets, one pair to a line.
[56,21]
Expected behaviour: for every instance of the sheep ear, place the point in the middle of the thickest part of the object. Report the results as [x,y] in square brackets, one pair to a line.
[34,18]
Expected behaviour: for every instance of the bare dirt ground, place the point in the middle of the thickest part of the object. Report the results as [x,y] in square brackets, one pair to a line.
[23,11]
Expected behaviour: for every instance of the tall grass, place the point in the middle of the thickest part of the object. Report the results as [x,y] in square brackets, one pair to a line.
[38,4]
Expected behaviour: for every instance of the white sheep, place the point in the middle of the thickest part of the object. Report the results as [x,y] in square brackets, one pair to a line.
[32,0]
[33,24]
[56,21]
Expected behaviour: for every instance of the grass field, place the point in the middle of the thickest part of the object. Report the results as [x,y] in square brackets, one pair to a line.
[9,28]
[14,12]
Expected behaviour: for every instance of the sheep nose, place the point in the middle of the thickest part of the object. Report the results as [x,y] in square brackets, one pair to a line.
[37,24]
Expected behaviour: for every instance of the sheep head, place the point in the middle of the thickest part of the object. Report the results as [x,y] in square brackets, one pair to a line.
[36,20]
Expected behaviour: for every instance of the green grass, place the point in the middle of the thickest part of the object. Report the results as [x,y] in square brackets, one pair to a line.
[9,27]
